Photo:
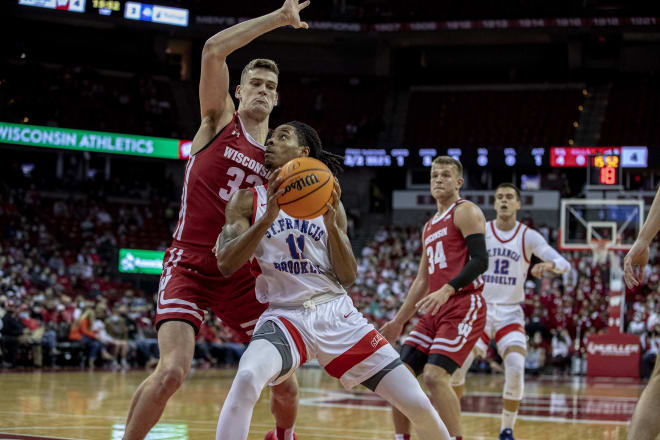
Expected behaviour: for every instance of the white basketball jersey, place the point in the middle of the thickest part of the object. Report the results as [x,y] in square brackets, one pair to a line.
[293,258]
[507,264]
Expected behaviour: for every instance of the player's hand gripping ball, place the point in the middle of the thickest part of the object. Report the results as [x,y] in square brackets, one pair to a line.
[307,185]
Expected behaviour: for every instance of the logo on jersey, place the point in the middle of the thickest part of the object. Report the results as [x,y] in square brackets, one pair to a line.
[376,339]
[304,226]
[302,182]
[503,252]
[438,234]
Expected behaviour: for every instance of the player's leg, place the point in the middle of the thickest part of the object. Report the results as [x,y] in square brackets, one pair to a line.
[176,341]
[457,380]
[514,384]
[414,358]
[645,424]
[512,346]
[268,358]
[284,407]
[400,388]
[260,364]
[437,377]
[458,326]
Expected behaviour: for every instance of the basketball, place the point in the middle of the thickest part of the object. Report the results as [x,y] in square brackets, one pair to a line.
[307,184]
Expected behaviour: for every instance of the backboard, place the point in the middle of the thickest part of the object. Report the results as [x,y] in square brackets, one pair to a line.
[583,222]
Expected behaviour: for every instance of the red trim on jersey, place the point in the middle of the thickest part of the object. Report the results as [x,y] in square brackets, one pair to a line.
[484,338]
[523,246]
[492,227]
[508,329]
[255,197]
[297,339]
[365,347]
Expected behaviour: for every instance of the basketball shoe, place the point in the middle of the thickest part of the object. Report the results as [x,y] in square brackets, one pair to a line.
[273,436]
[506,434]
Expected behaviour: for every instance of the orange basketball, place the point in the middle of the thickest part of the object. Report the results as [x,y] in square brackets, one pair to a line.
[307,185]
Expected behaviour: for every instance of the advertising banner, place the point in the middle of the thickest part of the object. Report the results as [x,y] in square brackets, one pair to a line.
[141,261]
[95,141]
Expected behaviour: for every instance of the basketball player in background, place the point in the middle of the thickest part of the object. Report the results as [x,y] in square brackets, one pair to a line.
[645,423]
[453,258]
[227,154]
[310,315]
[510,247]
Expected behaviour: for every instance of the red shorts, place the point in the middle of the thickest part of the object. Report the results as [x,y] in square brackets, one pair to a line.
[191,283]
[452,331]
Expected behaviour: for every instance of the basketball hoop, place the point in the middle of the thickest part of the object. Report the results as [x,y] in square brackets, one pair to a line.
[599,249]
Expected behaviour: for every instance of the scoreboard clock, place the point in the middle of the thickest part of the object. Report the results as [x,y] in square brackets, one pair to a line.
[604,172]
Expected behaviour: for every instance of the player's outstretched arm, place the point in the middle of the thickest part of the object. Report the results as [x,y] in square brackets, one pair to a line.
[552,260]
[470,220]
[638,255]
[238,240]
[418,289]
[341,251]
[216,105]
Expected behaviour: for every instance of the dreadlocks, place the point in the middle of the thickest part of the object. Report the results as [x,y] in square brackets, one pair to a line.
[309,137]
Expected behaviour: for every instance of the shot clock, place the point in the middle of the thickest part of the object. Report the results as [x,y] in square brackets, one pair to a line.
[604,172]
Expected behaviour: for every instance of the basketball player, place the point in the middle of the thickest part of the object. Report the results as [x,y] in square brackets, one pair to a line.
[453,258]
[645,423]
[510,247]
[227,154]
[304,267]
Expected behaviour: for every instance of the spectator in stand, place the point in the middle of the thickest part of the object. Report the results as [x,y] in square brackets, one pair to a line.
[561,347]
[637,326]
[650,341]
[81,330]
[535,359]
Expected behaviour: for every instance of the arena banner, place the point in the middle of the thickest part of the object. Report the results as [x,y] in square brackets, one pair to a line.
[95,141]
[456,25]
[141,261]
[613,354]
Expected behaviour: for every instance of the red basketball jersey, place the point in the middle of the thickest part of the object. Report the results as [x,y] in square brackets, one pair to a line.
[232,160]
[446,251]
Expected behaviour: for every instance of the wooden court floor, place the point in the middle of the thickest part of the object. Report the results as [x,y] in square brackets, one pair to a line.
[93,405]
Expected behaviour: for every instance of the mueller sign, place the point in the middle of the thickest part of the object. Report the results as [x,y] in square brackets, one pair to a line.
[612,349]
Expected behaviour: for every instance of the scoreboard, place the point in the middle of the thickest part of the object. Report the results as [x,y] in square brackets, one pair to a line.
[604,172]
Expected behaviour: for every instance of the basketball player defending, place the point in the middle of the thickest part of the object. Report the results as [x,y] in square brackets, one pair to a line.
[227,154]
[510,247]
[645,423]
[453,259]
[304,267]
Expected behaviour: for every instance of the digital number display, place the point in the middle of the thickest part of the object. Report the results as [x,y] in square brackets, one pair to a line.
[112,5]
[604,170]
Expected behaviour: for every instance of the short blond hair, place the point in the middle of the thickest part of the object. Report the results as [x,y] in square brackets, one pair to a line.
[448,160]
[260,63]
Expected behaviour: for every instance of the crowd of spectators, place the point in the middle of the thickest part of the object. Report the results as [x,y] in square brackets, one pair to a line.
[61,300]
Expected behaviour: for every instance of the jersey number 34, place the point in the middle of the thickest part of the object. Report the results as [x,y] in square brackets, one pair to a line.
[436,257]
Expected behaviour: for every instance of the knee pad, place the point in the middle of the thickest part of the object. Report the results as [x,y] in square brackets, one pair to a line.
[514,376]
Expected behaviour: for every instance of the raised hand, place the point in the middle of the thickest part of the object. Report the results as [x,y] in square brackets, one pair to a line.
[290,11]
[634,262]
[330,216]
[273,193]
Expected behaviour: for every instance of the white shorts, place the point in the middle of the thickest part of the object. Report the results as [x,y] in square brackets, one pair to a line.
[506,324]
[346,345]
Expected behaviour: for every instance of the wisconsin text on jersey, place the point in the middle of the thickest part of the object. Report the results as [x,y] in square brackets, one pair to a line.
[441,233]
[247,161]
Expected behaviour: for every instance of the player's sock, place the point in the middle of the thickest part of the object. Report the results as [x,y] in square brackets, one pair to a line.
[508,419]
[284,433]
[401,436]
